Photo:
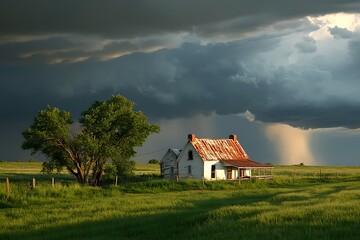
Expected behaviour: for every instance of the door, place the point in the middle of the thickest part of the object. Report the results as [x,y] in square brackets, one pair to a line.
[241,172]
[229,173]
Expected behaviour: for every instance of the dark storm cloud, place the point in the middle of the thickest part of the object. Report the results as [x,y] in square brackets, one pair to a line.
[65,49]
[13,53]
[177,59]
[128,19]
[223,78]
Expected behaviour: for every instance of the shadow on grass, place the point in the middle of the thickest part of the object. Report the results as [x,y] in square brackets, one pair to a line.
[204,219]
[170,223]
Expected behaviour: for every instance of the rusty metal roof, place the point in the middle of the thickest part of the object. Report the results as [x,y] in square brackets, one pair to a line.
[246,164]
[226,150]
[219,149]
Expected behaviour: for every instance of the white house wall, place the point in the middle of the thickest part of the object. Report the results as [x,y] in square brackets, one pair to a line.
[235,173]
[201,168]
[219,170]
[197,166]
[221,174]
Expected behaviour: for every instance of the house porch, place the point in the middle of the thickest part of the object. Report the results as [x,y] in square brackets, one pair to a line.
[243,173]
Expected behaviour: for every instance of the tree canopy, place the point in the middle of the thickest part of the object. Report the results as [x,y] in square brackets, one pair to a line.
[153,161]
[108,130]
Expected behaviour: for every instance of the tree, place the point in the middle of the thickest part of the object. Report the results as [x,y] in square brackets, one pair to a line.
[125,167]
[108,130]
[153,161]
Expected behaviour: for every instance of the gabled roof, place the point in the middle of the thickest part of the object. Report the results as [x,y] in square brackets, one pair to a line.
[175,151]
[228,151]
[219,149]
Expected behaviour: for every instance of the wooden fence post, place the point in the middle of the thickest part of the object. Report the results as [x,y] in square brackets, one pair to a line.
[116,180]
[32,183]
[52,183]
[7,187]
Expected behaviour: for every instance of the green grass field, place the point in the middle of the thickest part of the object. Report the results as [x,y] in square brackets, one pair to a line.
[300,203]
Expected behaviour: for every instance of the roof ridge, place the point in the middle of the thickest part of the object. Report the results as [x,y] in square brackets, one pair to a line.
[219,148]
[216,138]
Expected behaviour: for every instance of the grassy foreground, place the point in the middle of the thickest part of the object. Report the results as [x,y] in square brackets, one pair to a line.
[297,204]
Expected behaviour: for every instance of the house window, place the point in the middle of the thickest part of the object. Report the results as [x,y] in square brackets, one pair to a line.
[172,170]
[213,167]
[189,169]
[190,155]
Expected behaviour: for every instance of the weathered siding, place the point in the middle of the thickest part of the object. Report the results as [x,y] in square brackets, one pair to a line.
[197,164]
[169,165]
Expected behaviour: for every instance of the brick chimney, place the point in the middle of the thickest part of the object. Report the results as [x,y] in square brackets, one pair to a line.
[233,137]
[191,137]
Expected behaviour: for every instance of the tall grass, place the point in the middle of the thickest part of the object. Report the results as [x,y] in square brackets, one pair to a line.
[296,204]
[327,211]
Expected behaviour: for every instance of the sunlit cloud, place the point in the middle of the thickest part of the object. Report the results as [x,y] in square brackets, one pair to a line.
[349,21]
[293,144]
[247,115]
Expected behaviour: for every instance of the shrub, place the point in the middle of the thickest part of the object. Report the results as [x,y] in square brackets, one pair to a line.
[125,167]
[153,161]
[109,173]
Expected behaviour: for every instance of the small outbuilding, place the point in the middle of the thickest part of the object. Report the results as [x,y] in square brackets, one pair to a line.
[168,164]
[212,159]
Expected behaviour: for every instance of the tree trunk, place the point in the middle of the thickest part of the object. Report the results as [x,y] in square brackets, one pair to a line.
[83,175]
[82,178]
[97,177]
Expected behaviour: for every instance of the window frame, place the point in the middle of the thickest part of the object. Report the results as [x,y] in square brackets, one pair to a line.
[190,155]
[213,171]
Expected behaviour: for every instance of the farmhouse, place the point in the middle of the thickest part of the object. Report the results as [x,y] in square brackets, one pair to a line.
[212,159]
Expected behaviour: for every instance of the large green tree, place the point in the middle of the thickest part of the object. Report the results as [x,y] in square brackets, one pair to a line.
[107,130]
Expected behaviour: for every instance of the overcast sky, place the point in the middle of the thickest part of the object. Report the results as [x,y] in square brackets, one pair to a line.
[283,75]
